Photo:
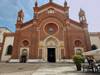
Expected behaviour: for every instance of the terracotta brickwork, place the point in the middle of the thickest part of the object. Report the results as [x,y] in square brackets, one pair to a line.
[60,26]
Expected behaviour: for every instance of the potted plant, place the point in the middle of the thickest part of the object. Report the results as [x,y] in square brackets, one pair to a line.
[78,59]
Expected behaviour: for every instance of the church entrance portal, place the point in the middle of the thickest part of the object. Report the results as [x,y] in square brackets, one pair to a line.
[23,57]
[51,51]
[51,55]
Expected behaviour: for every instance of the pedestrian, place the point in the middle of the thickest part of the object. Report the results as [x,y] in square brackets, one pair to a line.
[91,62]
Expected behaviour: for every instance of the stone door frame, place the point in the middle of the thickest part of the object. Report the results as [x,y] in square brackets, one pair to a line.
[56,46]
[21,49]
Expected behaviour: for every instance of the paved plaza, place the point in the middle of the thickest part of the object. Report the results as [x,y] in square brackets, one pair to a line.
[40,69]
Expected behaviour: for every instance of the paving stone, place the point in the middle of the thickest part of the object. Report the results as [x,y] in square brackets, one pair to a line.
[40,69]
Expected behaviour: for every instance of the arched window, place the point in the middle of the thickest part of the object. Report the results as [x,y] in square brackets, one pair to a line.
[51,11]
[9,50]
[94,47]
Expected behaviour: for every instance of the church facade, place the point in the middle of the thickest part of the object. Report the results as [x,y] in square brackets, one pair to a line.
[51,36]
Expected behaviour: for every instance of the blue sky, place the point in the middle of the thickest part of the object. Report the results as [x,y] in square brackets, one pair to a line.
[9,9]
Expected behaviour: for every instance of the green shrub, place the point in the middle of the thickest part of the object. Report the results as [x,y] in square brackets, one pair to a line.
[78,59]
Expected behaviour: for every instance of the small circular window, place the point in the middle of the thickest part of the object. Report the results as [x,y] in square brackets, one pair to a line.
[51,28]
[77,43]
[25,43]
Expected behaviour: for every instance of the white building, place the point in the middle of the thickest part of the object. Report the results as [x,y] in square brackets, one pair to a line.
[2,31]
[95,39]
[7,46]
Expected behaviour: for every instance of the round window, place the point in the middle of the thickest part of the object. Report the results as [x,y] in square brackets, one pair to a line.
[51,28]
[25,43]
[77,43]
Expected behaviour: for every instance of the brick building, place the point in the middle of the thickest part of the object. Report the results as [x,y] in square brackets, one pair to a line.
[51,36]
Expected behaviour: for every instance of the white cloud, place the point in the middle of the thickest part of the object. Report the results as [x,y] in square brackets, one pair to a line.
[9,9]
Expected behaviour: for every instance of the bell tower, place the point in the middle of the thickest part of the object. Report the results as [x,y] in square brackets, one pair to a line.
[65,3]
[82,17]
[20,19]
[66,8]
[83,22]
[36,8]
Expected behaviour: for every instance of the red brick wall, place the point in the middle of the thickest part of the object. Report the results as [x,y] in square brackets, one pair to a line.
[32,35]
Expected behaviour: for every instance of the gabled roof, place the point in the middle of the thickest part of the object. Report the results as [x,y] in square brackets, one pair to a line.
[28,22]
[56,6]
[51,4]
[70,20]
[74,22]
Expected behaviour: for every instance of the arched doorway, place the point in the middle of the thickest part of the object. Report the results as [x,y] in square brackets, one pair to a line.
[24,53]
[51,50]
